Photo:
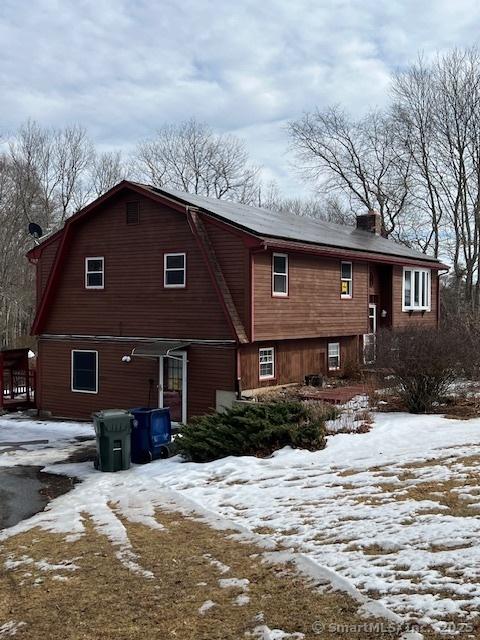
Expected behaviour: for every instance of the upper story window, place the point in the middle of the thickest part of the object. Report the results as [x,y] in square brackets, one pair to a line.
[174,270]
[333,356]
[417,289]
[132,213]
[346,281]
[85,371]
[266,363]
[94,273]
[280,274]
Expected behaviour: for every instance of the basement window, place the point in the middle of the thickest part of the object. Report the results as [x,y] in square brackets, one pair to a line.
[417,285]
[94,273]
[266,362]
[174,270]
[84,371]
[333,356]
[346,281]
[280,274]
[133,212]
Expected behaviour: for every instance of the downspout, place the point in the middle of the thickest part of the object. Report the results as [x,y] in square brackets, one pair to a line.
[238,382]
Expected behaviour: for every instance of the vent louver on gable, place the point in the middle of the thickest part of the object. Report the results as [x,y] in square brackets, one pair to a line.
[133,212]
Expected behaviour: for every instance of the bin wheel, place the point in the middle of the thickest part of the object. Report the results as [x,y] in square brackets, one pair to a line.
[145,457]
[164,452]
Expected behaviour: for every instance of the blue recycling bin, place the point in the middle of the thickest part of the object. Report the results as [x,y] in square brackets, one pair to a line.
[151,433]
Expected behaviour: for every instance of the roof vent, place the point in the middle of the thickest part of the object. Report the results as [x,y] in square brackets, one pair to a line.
[133,212]
[371,222]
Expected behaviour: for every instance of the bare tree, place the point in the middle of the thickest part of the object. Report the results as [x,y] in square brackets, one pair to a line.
[106,171]
[191,157]
[357,159]
[72,156]
[437,109]
[16,277]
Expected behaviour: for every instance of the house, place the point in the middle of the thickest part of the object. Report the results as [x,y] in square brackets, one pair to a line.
[153,297]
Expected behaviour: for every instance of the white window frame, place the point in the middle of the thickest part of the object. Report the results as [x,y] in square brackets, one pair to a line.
[280,294]
[423,305]
[88,272]
[346,296]
[270,361]
[96,371]
[165,270]
[329,355]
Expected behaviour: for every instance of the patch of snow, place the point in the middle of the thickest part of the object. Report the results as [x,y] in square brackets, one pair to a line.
[206,606]
[239,583]
[263,632]
[241,600]
[22,440]
[42,565]
[222,568]
[10,628]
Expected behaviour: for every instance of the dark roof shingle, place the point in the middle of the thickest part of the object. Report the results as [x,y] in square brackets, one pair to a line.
[286,226]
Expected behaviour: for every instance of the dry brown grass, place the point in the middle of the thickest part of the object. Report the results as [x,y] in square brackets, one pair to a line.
[103,600]
[461,406]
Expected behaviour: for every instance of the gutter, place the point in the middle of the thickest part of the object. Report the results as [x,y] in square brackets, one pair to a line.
[353,254]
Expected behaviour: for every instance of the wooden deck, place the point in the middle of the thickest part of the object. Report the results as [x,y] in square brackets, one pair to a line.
[17,380]
[336,395]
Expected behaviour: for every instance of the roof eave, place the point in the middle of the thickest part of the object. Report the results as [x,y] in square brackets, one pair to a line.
[335,251]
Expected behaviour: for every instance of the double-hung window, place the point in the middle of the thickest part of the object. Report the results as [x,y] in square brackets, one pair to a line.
[94,273]
[333,356]
[346,280]
[280,275]
[174,270]
[417,285]
[84,371]
[266,363]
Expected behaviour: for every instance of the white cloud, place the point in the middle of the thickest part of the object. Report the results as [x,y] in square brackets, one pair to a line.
[122,68]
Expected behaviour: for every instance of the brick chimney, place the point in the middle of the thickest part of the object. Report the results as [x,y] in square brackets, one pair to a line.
[371,222]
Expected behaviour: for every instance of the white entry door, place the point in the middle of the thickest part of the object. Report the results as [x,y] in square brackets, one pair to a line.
[173,385]
[369,339]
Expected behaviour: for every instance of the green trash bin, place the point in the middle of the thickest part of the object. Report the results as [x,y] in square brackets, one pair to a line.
[113,428]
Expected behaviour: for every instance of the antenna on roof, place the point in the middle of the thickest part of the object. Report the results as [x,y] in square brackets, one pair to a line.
[35,230]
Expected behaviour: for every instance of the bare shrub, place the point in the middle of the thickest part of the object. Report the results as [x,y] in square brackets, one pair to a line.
[424,362]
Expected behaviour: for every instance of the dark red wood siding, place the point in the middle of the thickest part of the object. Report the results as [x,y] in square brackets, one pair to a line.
[123,385]
[134,301]
[313,307]
[234,259]
[294,359]
[45,265]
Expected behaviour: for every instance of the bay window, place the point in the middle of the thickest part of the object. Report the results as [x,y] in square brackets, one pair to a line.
[417,285]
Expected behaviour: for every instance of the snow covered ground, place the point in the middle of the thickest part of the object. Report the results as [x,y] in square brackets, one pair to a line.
[22,440]
[393,513]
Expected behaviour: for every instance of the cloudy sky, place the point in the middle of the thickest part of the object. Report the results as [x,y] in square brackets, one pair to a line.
[123,67]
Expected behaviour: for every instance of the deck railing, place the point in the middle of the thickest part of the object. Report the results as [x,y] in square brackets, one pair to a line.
[19,385]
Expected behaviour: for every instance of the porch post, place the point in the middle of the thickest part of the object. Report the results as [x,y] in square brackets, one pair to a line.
[27,379]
